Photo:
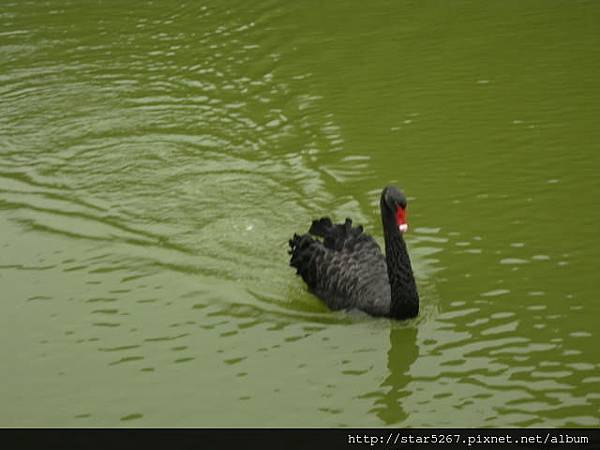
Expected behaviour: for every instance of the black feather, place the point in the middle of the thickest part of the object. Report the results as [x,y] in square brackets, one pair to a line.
[347,269]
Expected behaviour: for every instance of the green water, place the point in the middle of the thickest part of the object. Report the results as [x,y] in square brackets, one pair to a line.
[156,157]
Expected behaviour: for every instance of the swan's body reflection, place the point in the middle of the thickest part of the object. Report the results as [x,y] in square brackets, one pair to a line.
[402,354]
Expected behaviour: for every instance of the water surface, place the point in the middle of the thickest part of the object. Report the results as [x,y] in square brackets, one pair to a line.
[156,158]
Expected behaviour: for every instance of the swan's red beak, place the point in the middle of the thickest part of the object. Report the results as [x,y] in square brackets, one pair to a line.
[401,219]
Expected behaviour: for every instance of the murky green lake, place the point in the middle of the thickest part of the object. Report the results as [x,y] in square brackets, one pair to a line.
[157,156]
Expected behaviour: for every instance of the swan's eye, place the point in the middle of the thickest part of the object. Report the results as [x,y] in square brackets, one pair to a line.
[401,219]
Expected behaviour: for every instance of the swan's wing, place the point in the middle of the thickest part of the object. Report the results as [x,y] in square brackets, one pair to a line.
[346,270]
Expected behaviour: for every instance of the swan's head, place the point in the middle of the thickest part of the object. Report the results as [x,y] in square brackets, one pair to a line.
[394,202]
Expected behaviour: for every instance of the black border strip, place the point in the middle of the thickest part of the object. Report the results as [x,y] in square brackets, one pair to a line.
[298,438]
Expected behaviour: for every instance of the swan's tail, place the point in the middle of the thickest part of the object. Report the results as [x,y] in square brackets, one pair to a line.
[302,250]
[298,243]
[334,236]
[322,227]
[294,244]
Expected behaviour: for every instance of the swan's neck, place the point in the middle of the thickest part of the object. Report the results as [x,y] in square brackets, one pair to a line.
[405,299]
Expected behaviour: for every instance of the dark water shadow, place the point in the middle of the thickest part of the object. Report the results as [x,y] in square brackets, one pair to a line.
[402,354]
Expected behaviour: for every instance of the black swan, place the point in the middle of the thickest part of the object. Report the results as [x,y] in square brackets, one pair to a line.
[347,269]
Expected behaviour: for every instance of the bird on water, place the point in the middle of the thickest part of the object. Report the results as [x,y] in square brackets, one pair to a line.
[347,270]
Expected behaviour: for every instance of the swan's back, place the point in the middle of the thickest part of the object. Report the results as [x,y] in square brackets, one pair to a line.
[346,269]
